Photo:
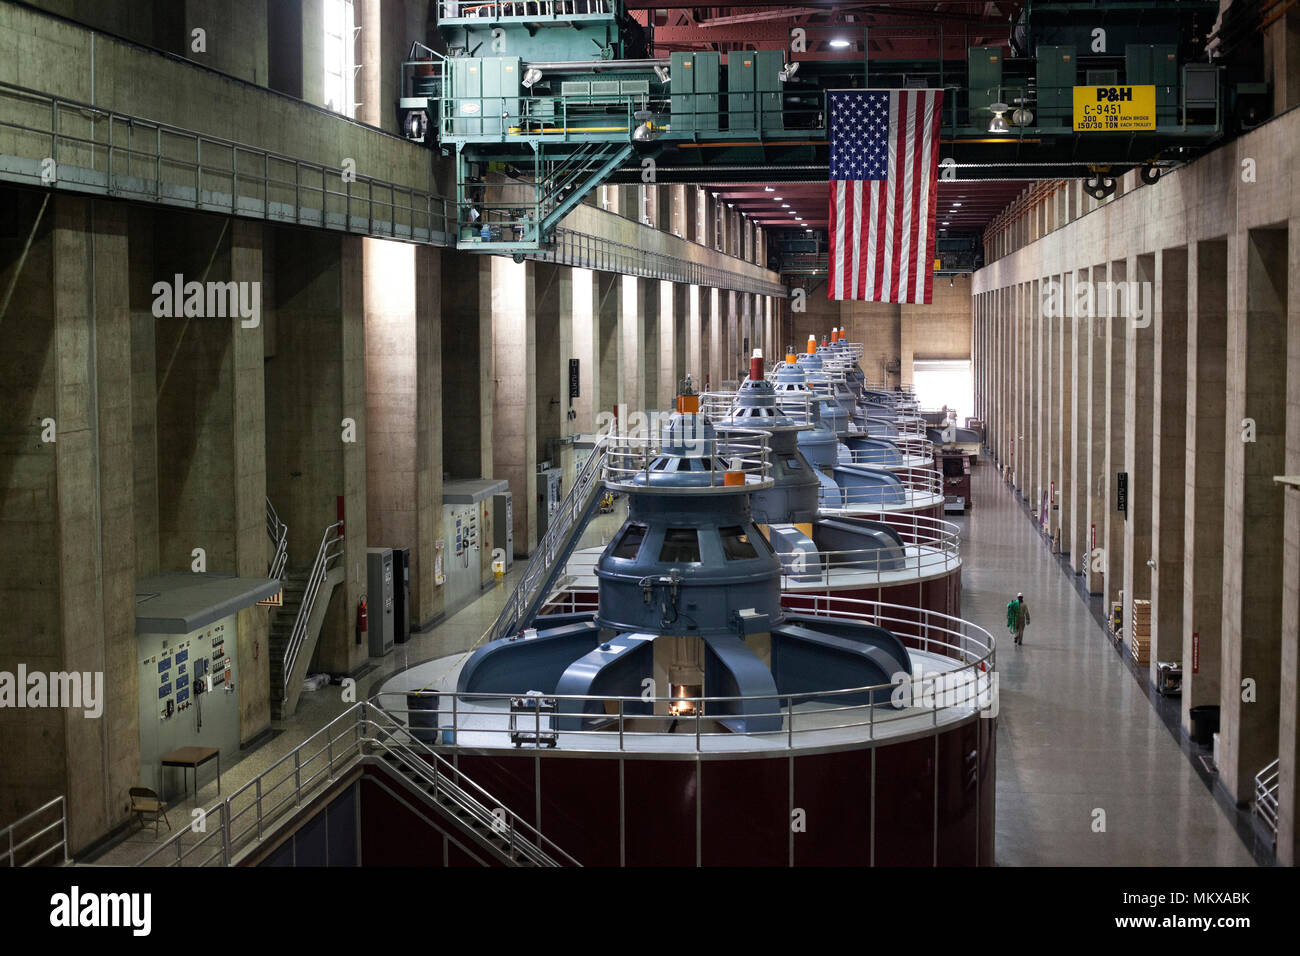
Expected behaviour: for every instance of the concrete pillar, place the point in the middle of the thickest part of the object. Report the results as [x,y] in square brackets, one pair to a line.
[553,337]
[1063,506]
[1169,462]
[584,308]
[1080,328]
[695,337]
[1253,508]
[652,348]
[1098,349]
[609,343]
[514,405]
[1139,389]
[673,307]
[248,465]
[632,333]
[1288,830]
[403,390]
[717,362]
[67,508]
[466,400]
[1207,305]
[1116,326]
[316,433]
[1047,409]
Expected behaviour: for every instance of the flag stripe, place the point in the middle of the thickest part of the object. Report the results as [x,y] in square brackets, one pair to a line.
[883,194]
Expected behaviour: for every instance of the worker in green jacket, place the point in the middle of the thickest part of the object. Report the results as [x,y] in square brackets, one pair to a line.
[1018,617]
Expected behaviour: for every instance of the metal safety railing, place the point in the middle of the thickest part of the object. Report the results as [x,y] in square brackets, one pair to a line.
[250,814]
[278,532]
[930,546]
[91,149]
[327,556]
[572,248]
[910,449]
[562,533]
[960,682]
[920,487]
[1266,797]
[454,10]
[37,837]
[130,157]
[741,456]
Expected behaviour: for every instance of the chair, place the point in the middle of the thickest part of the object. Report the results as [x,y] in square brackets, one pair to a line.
[145,801]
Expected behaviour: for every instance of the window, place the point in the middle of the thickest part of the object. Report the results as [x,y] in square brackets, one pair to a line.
[944,382]
[681,546]
[735,544]
[629,543]
[793,463]
[340,57]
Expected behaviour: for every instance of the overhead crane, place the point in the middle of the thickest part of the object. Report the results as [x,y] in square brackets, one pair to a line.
[541,101]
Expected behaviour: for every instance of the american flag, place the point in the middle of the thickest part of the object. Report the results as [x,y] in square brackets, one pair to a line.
[884,156]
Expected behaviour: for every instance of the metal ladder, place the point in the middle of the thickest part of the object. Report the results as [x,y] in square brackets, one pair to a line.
[553,550]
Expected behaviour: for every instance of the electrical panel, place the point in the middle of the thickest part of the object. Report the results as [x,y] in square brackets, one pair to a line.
[380,598]
[694,95]
[1057,69]
[1149,64]
[754,89]
[187,697]
[503,509]
[983,79]
[463,552]
[486,94]
[550,495]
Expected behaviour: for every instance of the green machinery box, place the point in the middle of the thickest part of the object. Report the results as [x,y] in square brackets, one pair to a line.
[1149,64]
[695,100]
[1056,71]
[983,81]
[483,89]
[754,89]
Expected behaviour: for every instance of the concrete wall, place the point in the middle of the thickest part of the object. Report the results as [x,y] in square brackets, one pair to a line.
[1217,241]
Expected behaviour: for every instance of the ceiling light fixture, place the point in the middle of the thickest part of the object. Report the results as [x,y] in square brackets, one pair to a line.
[999,122]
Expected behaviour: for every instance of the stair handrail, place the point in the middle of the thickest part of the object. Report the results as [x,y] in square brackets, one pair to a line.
[339,743]
[278,532]
[447,779]
[9,849]
[555,545]
[331,548]
[1266,797]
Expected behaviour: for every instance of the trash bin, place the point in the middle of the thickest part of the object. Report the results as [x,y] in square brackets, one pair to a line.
[422,715]
[1205,723]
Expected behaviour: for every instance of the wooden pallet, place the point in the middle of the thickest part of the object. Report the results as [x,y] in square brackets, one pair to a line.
[1140,632]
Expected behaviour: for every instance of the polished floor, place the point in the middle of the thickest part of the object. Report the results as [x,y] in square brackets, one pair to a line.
[1087,773]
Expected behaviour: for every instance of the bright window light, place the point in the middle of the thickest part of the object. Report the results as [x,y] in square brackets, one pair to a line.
[340,65]
[944,382]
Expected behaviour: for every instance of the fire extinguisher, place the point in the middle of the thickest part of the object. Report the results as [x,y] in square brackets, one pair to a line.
[362,620]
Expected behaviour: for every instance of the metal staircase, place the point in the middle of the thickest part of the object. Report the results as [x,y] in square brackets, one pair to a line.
[495,216]
[365,735]
[454,796]
[297,624]
[556,546]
